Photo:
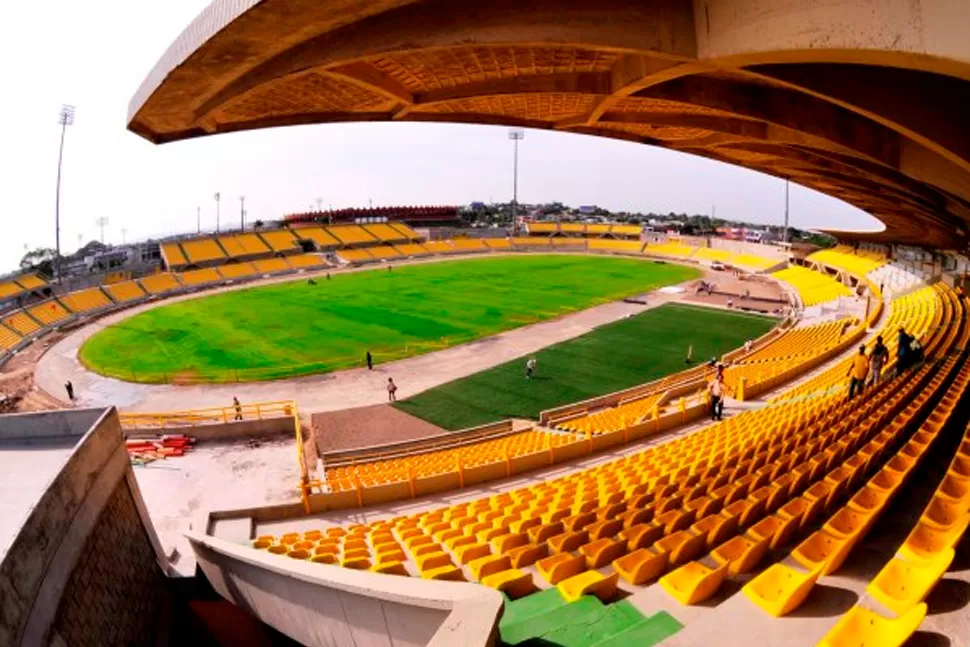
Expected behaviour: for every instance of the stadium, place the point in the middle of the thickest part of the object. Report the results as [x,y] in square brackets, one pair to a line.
[363,427]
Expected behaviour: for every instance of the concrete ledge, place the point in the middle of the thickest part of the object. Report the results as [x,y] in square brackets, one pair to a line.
[233,430]
[319,604]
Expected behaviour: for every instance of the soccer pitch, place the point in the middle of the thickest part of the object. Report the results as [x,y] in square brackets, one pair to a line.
[295,328]
[613,357]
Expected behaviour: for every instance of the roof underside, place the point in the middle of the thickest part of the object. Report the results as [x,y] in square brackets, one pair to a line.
[864,101]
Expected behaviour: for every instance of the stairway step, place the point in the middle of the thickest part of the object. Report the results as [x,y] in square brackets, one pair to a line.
[582,632]
[651,631]
[582,610]
[531,605]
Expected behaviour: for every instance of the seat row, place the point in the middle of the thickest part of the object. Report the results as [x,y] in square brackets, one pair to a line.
[843,257]
[221,248]
[812,287]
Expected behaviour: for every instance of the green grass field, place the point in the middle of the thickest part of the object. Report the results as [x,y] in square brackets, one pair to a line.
[295,328]
[616,356]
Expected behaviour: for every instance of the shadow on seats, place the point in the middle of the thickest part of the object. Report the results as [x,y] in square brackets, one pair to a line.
[948,595]
[826,602]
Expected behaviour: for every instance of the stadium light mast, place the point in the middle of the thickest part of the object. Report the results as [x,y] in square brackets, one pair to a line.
[65,118]
[102,222]
[242,213]
[217,196]
[784,234]
[198,220]
[516,135]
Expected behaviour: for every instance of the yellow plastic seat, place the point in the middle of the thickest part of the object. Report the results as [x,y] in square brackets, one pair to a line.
[675,520]
[556,568]
[860,627]
[601,552]
[485,566]
[741,554]
[641,565]
[954,488]
[299,553]
[926,542]
[391,556]
[541,533]
[901,585]
[868,500]
[821,550]
[390,568]
[780,589]
[636,516]
[943,514]
[424,549]
[513,582]
[325,558]
[504,543]
[588,582]
[693,582]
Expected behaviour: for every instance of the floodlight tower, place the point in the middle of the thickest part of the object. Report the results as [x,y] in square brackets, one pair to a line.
[65,118]
[516,135]
[217,196]
[242,213]
[784,234]
[102,222]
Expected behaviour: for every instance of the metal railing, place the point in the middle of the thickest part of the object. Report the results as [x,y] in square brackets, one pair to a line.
[209,416]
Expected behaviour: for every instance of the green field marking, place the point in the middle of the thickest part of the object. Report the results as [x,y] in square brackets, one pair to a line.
[616,356]
[294,328]
[646,633]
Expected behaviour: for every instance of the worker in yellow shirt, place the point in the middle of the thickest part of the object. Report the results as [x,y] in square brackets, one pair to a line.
[858,372]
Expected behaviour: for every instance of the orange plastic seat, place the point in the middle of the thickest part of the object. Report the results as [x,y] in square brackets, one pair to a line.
[556,568]
[485,566]
[848,523]
[641,536]
[861,627]
[779,590]
[716,528]
[449,573]
[568,541]
[821,550]
[776,529]
[641,565]
[541,533]
[901,585]
[601,552]
[466,554]
[527,555]
[926,542]
[693,582]
[741,554]
[390,568]
[512,582]
[433,560]
[683,546]
[588,582]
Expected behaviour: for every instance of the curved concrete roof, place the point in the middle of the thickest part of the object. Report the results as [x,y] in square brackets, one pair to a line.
[864,100]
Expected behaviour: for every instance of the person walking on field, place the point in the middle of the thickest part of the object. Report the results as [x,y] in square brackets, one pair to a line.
[877,359]
[530,368]
[858,372]
[370,362]
[716,390]
[391,390]
[238,407]
[69,387]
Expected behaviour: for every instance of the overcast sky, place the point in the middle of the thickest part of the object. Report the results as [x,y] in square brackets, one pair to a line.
[95,54]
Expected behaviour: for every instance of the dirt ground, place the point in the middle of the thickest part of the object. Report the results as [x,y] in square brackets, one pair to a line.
[366,426]
[19,392]
[764,295]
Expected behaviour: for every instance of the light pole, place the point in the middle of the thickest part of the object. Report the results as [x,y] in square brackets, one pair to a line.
[124,232]
[217,211]
[198,220]
[242,213]
[102,222]
[784,234]
[516,135]
[65,118]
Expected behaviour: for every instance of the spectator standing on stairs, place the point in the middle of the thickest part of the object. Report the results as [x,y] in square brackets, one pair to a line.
[877,359]
[391,390]
[716,391]
[858,372]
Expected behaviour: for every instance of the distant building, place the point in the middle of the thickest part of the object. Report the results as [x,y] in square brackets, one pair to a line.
[587,209]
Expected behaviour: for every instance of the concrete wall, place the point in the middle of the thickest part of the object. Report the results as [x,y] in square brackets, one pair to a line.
[86,566]
[49,424]
[318,604]
[233,430]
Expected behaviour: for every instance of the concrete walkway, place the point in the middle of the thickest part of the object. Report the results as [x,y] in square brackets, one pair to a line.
[326,392]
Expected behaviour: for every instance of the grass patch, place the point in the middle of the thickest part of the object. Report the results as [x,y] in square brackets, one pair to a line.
[294,328]
[625,353]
